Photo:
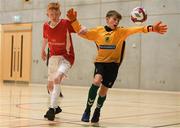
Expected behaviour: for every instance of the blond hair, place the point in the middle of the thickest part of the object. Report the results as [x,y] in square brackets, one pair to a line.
[53,6]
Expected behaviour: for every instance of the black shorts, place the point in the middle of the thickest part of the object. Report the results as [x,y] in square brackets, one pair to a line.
[108,71]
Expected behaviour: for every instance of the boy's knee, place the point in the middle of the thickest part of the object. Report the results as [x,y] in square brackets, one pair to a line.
[97,79]
[97,82]
[50,83]
[103,91]
[57,80]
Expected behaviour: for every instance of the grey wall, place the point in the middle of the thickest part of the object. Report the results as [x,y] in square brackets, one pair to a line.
[152,61]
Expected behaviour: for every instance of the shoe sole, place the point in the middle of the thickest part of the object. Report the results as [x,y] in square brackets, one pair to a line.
[51,118]
[84,120]
[94,122]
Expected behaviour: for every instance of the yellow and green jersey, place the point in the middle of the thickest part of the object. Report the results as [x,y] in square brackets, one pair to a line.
[109,44]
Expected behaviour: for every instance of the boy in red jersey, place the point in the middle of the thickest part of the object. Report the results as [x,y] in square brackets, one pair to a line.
[110,43]
[57,34]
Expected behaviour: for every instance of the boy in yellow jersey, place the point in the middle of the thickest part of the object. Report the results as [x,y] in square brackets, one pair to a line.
[110,43]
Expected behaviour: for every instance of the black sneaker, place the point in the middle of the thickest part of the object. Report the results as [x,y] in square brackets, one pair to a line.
[96,115]
[50,114]
[58,110]
[85,117]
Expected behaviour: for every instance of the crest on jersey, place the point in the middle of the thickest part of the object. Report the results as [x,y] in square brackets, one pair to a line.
[106,38]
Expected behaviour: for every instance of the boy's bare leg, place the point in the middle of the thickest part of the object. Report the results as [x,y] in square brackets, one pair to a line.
[50,88]
[54,93]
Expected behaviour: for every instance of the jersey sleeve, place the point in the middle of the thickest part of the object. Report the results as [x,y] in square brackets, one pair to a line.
[90,34]
[133,30]
[70,28]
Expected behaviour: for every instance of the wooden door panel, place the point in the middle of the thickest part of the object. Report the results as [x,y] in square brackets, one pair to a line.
[16,48]
[24,55]
[8,56]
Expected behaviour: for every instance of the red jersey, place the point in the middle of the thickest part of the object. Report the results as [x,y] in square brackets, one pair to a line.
[59,39]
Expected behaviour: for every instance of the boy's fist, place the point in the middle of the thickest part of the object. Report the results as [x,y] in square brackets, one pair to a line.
[71,14]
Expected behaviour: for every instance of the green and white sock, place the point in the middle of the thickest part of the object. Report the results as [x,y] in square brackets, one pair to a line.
[100,102]
[91,97]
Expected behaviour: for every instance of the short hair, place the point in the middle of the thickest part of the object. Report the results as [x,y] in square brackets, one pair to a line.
[114,13]
[53,6]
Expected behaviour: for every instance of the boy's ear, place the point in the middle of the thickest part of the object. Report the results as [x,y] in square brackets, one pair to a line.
[107,18]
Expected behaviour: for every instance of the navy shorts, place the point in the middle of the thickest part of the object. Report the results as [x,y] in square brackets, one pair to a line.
[108,71]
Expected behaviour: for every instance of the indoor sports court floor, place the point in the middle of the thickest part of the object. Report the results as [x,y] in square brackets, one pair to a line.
[23,106]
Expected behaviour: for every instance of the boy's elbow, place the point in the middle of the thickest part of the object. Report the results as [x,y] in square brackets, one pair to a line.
[82,31]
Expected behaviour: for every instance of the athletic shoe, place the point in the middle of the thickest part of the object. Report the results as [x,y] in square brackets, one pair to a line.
[85,117]
[58,110]
[96,116]
[50,114]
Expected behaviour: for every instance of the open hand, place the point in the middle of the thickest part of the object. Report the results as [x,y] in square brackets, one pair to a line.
[160,28]
[43,55]
[71,14]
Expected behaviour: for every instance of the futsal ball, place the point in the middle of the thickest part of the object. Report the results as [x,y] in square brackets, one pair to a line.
[138,15]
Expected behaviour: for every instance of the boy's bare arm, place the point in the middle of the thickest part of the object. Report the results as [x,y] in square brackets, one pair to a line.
[43,53]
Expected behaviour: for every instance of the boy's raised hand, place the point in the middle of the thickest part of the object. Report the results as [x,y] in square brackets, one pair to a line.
[160,28]
[71,14]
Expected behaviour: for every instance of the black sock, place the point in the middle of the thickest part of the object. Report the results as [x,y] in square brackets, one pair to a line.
[100,102]
[91,97]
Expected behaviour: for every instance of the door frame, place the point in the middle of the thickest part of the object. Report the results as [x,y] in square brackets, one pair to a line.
[0,53]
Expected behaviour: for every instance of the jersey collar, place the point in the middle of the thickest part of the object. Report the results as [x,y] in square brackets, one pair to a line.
[108,29]
[49,23]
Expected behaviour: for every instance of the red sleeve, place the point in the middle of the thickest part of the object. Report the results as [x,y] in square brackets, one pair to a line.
[70,28]
[45,31]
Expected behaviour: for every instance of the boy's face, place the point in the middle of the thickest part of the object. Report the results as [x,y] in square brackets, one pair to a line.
[112,22]
[53,15]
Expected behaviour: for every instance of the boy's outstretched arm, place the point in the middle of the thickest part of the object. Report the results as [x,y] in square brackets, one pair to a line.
[90,34]
[72,15]
[158,27]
